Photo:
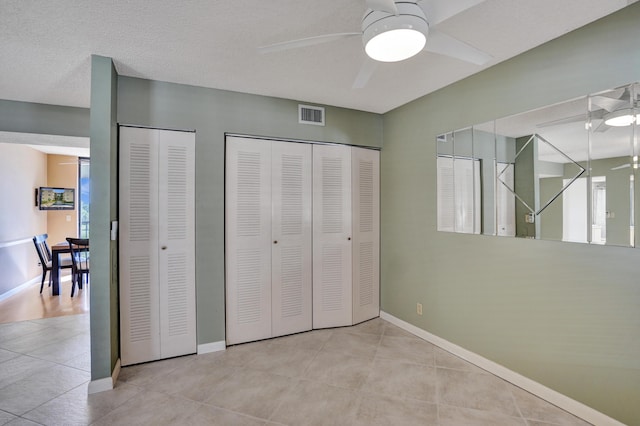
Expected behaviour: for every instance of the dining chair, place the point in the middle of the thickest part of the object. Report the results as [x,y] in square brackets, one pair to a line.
[79,248]
[44,254]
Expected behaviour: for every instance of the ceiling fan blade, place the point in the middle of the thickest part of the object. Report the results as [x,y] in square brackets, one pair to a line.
[566,120]
[441,10]
[609,104]
[367,69]
[438,42]
[304,42]
[388,6]
[622,166]
[596,115]
[602,127]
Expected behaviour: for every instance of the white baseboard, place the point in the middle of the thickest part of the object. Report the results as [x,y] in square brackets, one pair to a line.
[212,347]
[107,383]
[19,288]
[556,398]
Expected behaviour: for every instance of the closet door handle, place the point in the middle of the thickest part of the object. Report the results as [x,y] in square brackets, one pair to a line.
[348,238]
[163,247]
[275,242]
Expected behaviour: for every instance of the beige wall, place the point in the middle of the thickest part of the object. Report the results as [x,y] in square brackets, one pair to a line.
[22,169]
[62,172]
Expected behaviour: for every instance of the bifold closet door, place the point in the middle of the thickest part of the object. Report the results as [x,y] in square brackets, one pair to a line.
[365,166]
[248,239]
[176,232]
[268,238]
[332,253]
[291,235]
[138,248]
[157,244]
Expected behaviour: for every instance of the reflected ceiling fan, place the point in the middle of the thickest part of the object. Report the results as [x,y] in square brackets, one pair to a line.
[612,109]
[395,30]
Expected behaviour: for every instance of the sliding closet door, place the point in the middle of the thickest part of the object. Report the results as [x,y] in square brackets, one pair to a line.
[291,235]
[138,248]
[248,239]
[365,166]
[332,291]
[176,233]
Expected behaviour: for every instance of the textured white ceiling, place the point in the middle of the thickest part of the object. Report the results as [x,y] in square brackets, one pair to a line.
[45,46]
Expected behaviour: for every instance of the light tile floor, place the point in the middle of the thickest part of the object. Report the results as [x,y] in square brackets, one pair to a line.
[370,374]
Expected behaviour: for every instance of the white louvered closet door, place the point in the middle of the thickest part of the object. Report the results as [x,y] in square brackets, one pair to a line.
[248,239]
[332,290]
[365,166]
[138,248]
[176,225]
[291,235]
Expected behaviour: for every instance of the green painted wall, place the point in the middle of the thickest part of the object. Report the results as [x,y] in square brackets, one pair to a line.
[551,218]
[212,113]
[525,186]
[26,117]
[565,315]
[103,144]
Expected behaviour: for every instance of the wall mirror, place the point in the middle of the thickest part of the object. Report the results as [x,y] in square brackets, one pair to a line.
[564,172]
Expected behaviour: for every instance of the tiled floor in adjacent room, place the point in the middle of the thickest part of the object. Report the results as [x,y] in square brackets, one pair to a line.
[370,374]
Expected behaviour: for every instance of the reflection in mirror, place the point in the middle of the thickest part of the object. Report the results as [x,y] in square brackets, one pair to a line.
[458,184]
[563,172]
[611,147]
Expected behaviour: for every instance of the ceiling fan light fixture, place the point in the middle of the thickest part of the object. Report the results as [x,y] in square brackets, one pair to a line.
[392,38]
[620,118]
[395,45]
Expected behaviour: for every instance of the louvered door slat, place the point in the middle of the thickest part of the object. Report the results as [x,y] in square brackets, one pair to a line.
[176,224]
[248,239]
[291,235]
[139,297]
[332,291]
[366,234]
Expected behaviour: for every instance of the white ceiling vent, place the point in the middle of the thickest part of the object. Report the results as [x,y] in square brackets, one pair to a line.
[308,114]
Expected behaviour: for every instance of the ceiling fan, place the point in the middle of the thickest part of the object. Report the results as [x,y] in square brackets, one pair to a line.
[395,30]
[611,109]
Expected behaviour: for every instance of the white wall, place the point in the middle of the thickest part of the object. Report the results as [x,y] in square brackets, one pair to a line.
[22,169]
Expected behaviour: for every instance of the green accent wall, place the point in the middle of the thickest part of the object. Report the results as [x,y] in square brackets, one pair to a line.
[212,113]
[27,117]
[563,314]
[525,186]
[104,273]
[551,218]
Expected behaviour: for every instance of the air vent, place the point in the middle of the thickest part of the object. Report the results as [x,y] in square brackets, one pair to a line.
[311,115]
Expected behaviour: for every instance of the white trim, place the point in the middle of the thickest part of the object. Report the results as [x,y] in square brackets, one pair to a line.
[100,385]
[106,383]
[15,242]
[556,398]
[19,288]
[212,347]
[29,283]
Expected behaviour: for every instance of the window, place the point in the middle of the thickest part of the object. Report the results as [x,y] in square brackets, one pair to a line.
[83,197]
[459,195]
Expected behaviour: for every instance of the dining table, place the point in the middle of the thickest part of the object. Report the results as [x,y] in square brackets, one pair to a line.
[56,251]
